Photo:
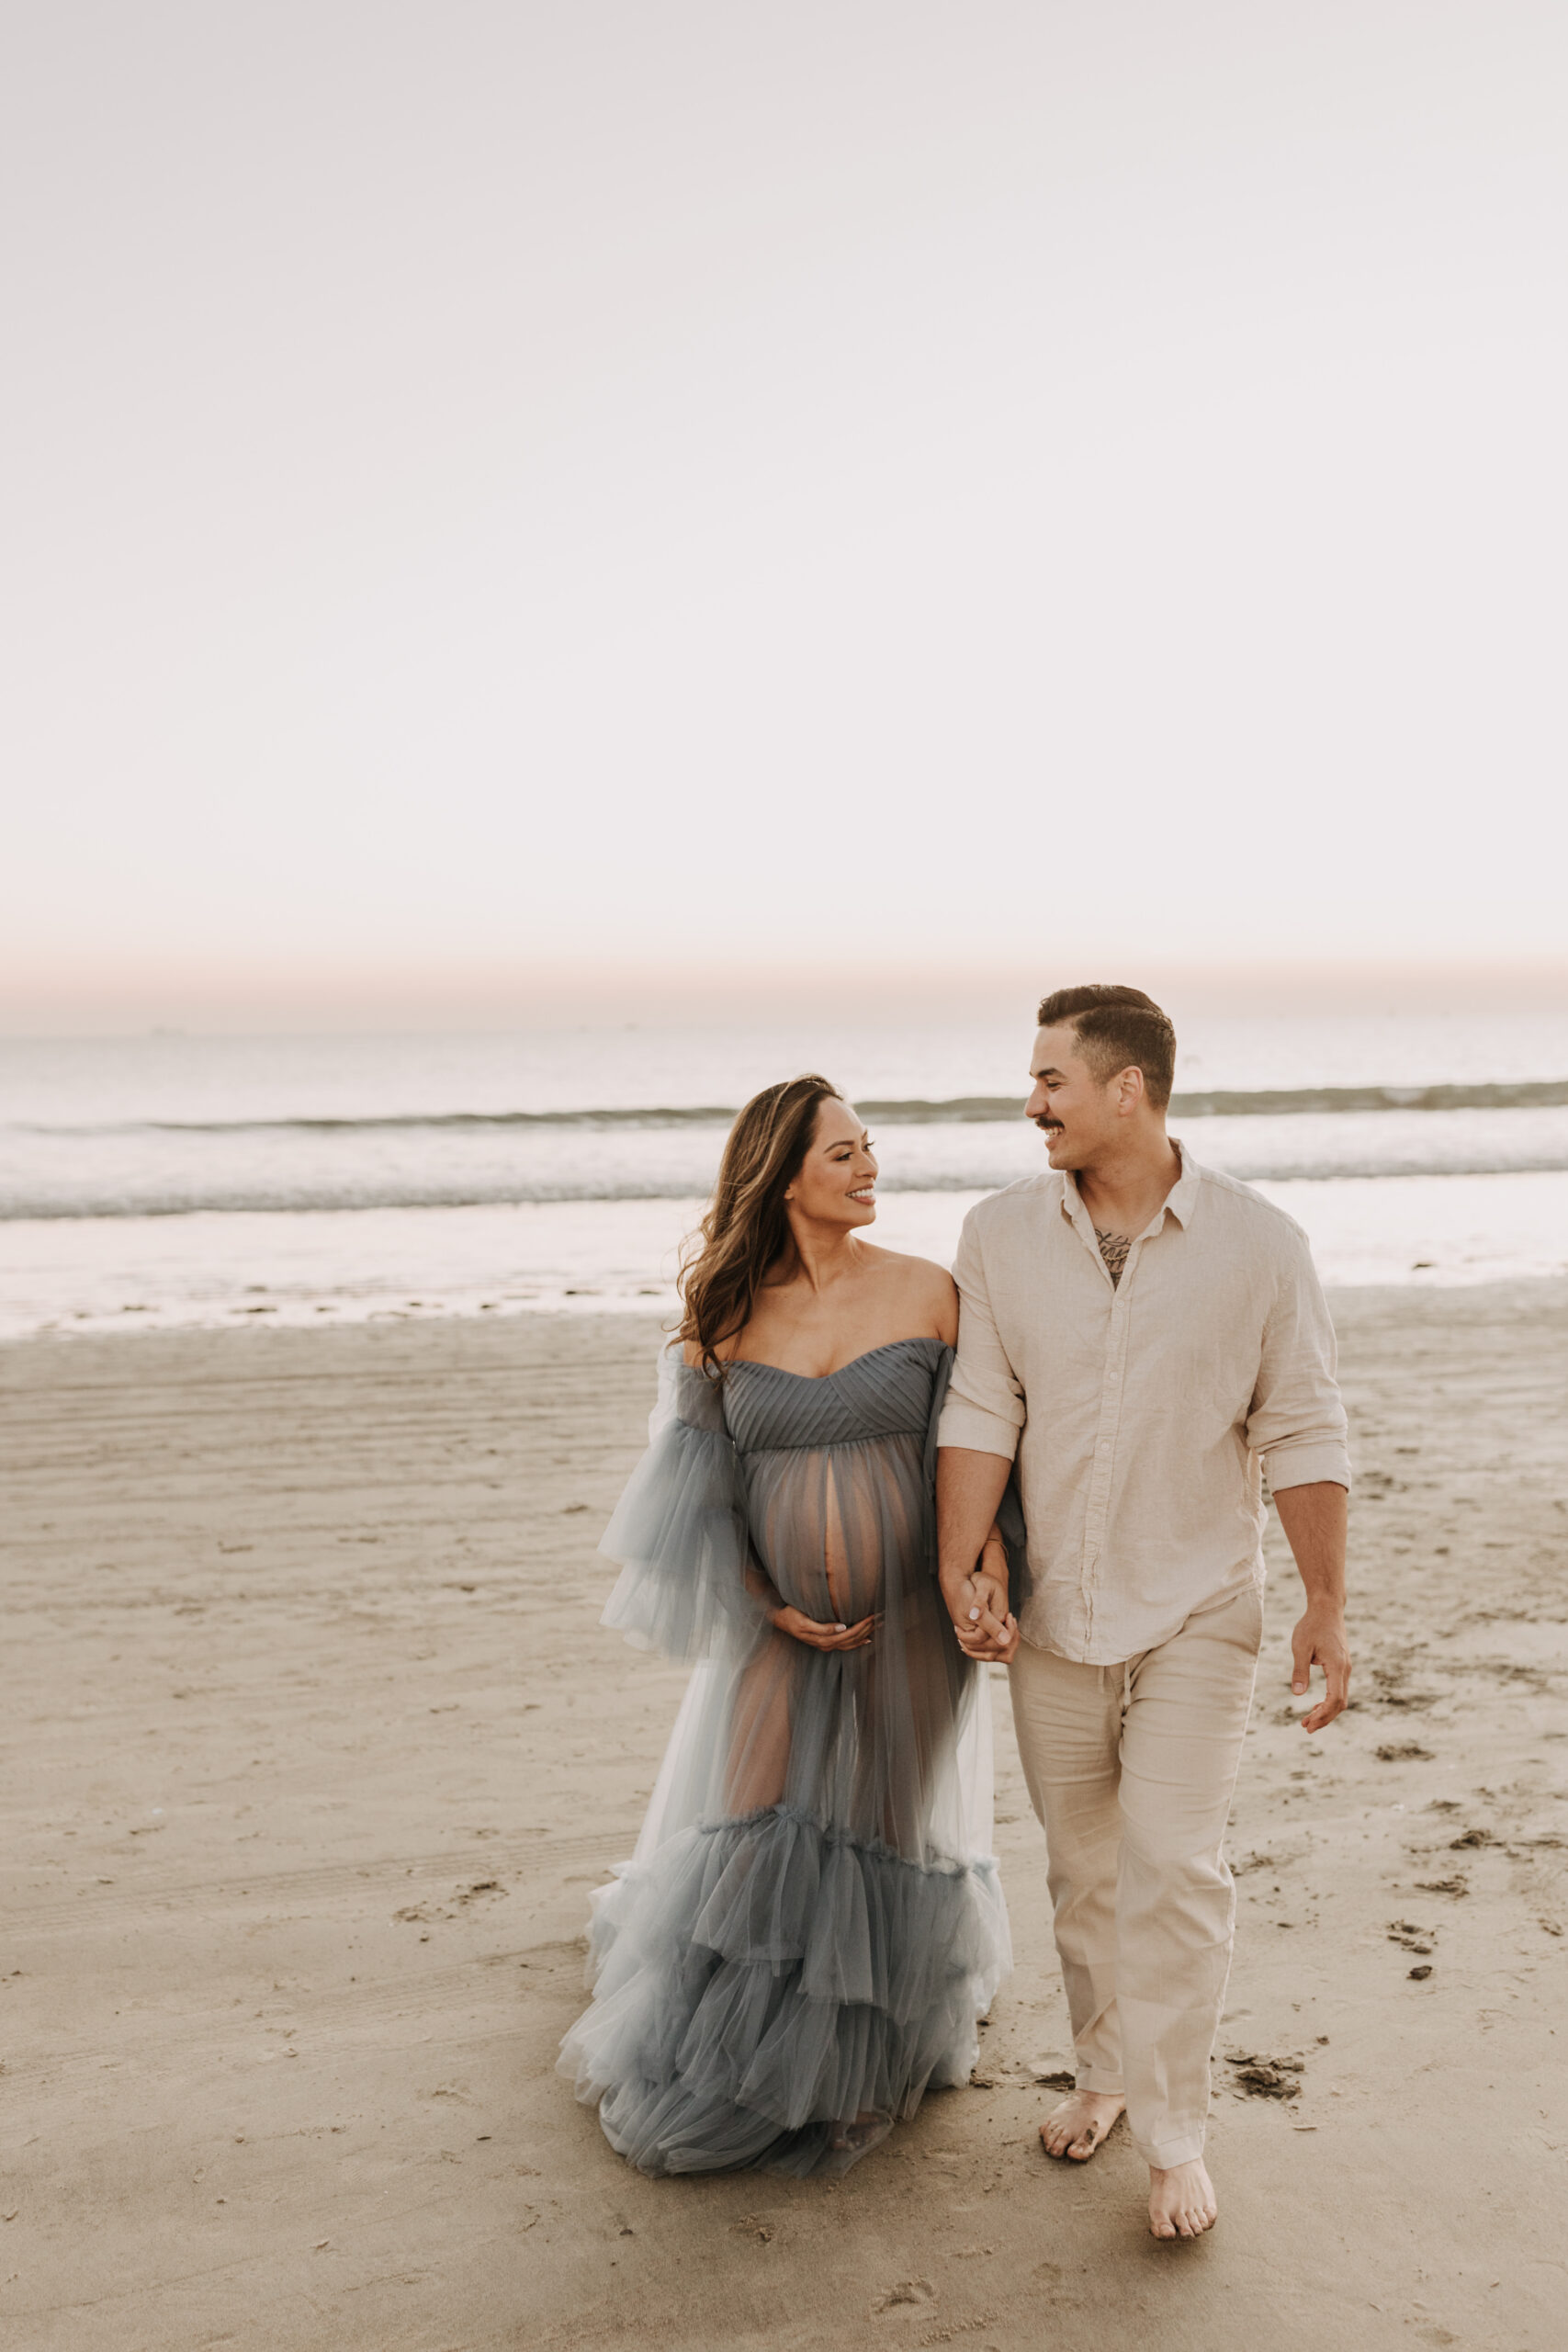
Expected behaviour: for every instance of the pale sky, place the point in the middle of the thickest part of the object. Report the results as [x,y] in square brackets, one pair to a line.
[496,487]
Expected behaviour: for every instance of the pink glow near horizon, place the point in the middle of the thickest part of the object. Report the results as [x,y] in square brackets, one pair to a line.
[541,997]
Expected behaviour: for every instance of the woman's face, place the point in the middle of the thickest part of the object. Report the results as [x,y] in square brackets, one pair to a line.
[837,1179]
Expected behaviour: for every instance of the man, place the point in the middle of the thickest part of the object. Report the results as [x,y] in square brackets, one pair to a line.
[1140,1334]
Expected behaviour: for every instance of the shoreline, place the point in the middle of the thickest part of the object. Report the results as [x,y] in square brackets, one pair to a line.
[208,1270]
[629,1313]
[314,1752]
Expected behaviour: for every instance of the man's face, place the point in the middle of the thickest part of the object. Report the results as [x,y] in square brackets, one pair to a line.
[1073,1110]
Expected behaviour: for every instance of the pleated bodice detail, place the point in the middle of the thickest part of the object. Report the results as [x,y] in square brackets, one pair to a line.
[885,1393]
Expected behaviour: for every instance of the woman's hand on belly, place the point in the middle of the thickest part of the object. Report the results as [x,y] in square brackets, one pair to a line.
[818,1636]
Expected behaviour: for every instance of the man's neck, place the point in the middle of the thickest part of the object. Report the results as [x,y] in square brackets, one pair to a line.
[1121,1193]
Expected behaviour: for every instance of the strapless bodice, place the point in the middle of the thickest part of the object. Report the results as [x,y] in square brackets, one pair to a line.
[765,1409]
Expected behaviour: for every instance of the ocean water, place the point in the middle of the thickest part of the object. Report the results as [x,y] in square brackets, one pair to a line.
[169,1179]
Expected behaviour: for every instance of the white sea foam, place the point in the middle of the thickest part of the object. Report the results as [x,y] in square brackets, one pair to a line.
[273,1267]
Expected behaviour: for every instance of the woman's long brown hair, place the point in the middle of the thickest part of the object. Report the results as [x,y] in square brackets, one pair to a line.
[746,1230]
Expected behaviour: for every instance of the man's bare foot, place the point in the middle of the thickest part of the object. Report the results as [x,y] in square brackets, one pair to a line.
[1181,2201]
[1077,2128]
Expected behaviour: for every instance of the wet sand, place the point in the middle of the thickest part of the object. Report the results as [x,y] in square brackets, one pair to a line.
[313,1750]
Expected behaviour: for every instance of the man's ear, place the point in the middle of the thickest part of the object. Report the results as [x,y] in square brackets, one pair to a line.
[1130,1091]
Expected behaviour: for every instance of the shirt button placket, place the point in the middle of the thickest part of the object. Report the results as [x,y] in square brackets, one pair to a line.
[1105,1434]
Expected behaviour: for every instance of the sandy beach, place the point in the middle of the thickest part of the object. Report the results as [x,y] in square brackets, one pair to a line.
[314,1750]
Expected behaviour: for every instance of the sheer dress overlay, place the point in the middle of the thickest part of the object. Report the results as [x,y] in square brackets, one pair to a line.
[811,1923]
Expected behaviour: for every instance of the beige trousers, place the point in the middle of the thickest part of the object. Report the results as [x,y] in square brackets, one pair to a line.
[1131,1769]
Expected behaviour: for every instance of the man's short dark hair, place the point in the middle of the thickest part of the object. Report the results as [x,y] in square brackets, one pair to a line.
[1118,1028]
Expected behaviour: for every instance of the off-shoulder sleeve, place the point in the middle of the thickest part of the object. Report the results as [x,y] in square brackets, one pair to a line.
[680,1530]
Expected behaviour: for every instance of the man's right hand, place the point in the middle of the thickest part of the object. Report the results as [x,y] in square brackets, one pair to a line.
[972,1562]
[978,1603]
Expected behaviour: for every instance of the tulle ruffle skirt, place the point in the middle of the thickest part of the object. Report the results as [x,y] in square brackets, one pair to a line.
[770,1992]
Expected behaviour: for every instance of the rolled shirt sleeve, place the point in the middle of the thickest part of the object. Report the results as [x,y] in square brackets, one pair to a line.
[984,1408]
[1297,1420]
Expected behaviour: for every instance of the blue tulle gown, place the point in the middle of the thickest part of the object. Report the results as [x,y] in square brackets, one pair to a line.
[812,1923]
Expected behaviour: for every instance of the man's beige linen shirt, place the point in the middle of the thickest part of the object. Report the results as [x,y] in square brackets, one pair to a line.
[1139,1413]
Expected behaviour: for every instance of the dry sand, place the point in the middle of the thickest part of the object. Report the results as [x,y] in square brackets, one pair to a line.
[314,1749]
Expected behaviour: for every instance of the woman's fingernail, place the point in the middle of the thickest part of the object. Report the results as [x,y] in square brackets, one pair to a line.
[973,1614]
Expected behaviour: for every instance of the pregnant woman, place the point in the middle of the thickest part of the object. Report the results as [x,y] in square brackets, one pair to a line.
[811,1924]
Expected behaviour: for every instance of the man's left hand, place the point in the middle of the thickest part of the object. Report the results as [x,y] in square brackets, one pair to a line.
[1319,1640]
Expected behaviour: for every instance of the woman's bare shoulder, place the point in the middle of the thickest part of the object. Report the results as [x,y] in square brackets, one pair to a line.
[924,1288]
[921,1274]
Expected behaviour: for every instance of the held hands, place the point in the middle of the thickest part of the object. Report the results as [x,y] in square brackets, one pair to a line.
[978,1603]
[1319,1640]
[818,1636]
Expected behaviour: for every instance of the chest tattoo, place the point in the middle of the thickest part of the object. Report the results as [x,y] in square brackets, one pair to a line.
[1113,1249]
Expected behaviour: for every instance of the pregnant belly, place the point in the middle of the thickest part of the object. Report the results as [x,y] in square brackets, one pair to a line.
[828,1532]
[829,1581]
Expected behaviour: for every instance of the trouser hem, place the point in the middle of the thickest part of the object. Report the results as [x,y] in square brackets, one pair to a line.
[1096,2078]
[1166,2155]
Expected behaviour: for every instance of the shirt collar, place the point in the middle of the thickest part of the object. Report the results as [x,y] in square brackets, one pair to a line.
[1180,1201]
[1182,1197]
